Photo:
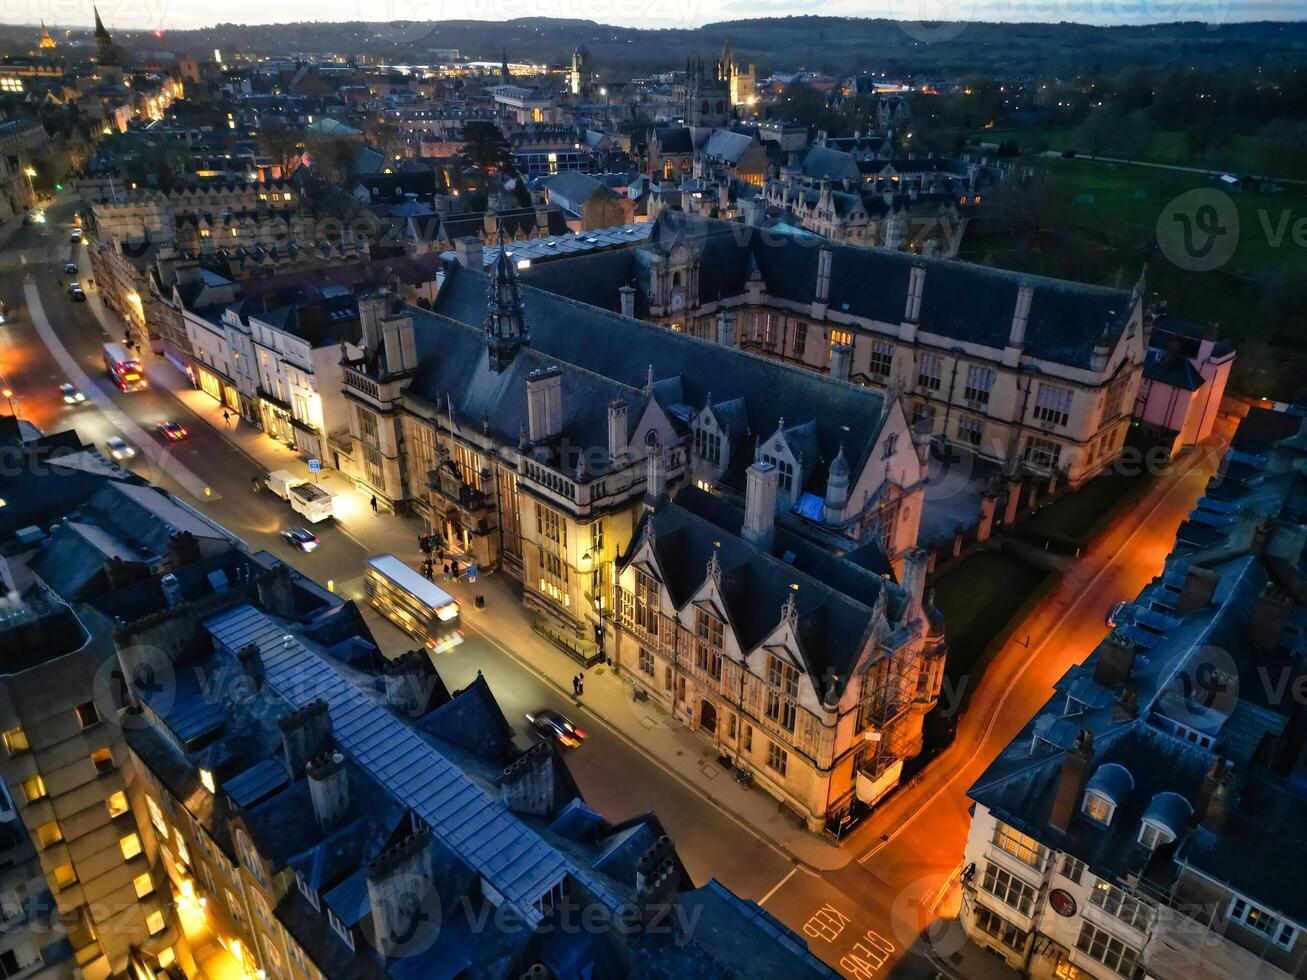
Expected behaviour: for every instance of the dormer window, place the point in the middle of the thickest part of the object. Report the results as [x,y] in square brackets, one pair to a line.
[1153,836]
[341,930]
[891,445]
[307,890]
[1098,808]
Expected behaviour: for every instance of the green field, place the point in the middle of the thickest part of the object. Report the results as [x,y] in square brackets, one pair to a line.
[1098,222]
[1238,153]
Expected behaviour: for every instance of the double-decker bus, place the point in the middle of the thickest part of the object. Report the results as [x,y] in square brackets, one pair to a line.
[125,369]
[424,610]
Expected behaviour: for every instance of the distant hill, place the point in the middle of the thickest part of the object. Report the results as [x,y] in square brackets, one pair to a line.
[838,44]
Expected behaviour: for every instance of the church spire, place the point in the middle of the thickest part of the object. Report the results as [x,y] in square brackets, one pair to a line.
[100,30]
[503,66]
[505,327]
[47,42]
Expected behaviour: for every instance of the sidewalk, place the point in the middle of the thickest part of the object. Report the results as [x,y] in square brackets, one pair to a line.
[506,623]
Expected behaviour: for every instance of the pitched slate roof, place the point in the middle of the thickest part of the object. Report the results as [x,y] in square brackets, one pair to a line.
[833,625]
[960,301]
[674,139]
[607,345]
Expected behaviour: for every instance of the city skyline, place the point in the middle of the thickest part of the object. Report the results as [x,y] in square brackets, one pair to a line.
[662,14]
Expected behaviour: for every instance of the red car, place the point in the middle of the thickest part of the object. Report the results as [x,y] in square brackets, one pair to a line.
[174,431]
[548,723]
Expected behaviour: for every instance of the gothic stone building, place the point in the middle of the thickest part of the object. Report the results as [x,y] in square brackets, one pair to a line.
[1035,374]
[534,431]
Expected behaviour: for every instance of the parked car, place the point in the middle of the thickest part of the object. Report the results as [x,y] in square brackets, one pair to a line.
[71,395]
[70,267]
[1114,615]
[118,448]
[173,431]
[75,292]
[75,235]
[301,538]
[549,723]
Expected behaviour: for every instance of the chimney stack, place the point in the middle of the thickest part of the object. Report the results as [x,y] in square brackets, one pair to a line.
[304,734]
[1270,616]
[1216,797]
[655,481]
[1198,589]
[328,788]
[275,592]
[527,785]
[399,883]
[251,661]
[1126,707]
[916,566]
[409,680]
[544,404]
[1116,659]
[841,361]
[372,308]
[400,343]
[916,288]
[183,549]
[617,432]
[825,258]
[761,483]
[1071,781]
[172,589]
[1021,316]
[627,294]
[468,252]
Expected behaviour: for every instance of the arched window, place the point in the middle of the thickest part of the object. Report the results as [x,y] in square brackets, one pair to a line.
[676,279]
[669,169]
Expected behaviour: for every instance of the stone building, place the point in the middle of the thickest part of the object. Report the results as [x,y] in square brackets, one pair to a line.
[528,428]
[1032,375]
[812,672]
[1148,820]
[332,814]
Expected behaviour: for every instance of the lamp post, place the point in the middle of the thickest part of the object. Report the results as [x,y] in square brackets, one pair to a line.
[8,394]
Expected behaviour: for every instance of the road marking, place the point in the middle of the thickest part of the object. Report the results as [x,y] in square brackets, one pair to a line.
[1034,652]
[161,457]
[867,956]
[777,887]
[826,924]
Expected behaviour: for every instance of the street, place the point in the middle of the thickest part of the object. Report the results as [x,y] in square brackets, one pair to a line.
[862,918]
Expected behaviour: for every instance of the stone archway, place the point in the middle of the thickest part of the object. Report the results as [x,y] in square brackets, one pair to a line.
[707,717]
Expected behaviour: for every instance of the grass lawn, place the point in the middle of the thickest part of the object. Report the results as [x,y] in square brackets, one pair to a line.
[1100,225]
[1073,521]
[982,600]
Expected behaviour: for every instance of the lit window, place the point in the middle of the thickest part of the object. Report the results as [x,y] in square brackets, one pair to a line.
[88,714]
[206,778]
[117,804]
[1153,836]
[1019,845]
[33,788]
[16,741]
[167,958]
[1260,920]
[143,884]
[102,759]
[130,846]
[49,834]
[156,816]
[155,923]
[64,875]
[1098,808]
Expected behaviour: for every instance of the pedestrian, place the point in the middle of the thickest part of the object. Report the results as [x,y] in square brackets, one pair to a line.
[576,687]
[453,569]
[440,553]
[446,571]
[580,683]
[375,508]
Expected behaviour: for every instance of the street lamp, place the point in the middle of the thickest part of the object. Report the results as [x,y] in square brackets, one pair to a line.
[8,394]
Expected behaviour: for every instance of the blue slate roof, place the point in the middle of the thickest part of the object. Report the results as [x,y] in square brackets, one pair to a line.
[516,860]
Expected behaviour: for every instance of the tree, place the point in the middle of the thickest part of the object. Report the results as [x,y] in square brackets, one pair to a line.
[282,144]
[332,157]
[486,147]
